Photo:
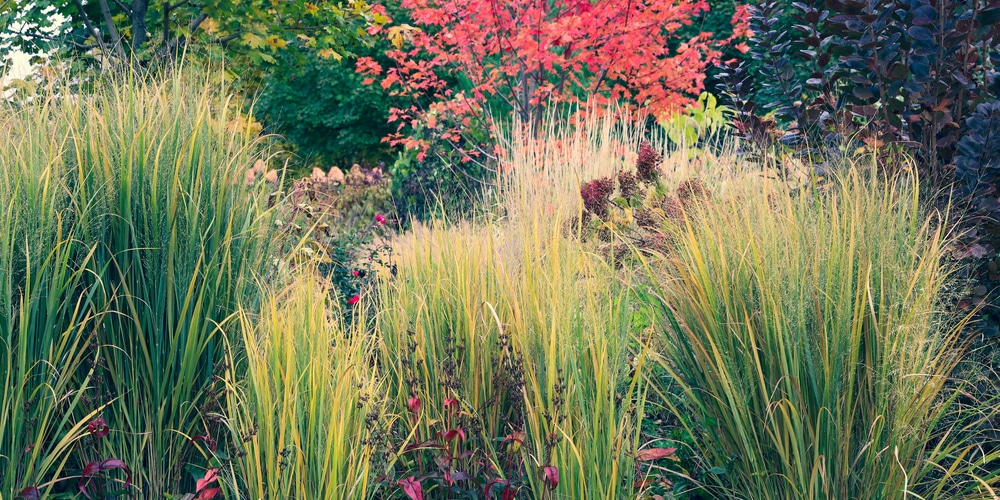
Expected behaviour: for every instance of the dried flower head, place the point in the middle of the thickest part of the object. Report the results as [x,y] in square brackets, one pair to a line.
[647,165]
[596,194]
[627,184]
[691,189]
[672,209]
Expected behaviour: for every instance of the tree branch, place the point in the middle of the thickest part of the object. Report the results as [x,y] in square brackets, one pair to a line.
[43,36]
[90,26]
[124,7]
[227,38]
[116,38]
[196,22]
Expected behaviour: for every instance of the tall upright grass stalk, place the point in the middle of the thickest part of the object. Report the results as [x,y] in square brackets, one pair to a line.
[309,401]
[127,207]
[809,336]
[46,314]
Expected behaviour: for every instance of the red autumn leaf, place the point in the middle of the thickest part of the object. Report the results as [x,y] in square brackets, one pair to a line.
[451,404]
[211,475]
[414,404]
[412,488]
[209,493]
[550,475]
[655,454]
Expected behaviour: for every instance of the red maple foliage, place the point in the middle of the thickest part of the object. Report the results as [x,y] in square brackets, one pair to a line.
[528,54]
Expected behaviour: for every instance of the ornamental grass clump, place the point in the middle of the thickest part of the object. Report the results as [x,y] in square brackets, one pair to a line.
[511,343]
[810,336]
[130,239]
[307,406]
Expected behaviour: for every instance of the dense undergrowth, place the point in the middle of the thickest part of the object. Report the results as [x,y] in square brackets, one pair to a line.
[172,327]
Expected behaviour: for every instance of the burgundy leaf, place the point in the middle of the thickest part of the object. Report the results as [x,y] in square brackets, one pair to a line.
[508,493]
[30,493]
[212,444]
[90,469]
[489,485]
[451,434]
[93,468]
[550,474]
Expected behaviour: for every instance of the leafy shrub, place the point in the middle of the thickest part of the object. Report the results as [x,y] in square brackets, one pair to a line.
[701,124]
[889,74]
[325,114]
[807,336]
[442,180]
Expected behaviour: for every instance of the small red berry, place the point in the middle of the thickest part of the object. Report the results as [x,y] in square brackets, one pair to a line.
[380,219]
[353,300]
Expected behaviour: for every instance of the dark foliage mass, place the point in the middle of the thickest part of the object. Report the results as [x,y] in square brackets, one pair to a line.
[326,115]
[914,78]
[907,74]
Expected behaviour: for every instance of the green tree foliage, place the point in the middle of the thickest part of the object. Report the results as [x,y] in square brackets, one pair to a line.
[251,34]
[324,113]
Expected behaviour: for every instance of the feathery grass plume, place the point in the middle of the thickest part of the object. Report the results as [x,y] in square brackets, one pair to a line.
[305,414]
[809,337]
[129,204]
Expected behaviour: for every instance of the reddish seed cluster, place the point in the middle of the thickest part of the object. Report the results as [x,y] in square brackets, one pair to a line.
[627,184]
[647,165]
[596,195]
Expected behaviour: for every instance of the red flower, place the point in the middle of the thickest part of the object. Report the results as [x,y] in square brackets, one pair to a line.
[355,272]
[414,404]
[380,219]
[354,300]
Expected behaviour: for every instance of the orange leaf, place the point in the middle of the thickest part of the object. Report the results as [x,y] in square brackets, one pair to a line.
[650,454]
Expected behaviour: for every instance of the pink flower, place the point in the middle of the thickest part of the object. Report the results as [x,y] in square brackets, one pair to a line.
[380,219]
[353,300]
